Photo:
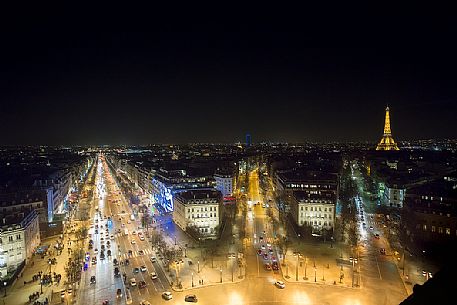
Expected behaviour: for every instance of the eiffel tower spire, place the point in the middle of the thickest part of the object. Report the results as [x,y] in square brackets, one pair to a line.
[387,142]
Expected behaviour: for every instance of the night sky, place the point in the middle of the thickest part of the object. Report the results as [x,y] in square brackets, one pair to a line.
[80,85]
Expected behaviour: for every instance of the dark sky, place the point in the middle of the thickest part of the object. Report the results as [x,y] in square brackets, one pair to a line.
[62,84]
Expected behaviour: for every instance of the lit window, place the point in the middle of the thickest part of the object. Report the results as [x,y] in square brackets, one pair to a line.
[448,231]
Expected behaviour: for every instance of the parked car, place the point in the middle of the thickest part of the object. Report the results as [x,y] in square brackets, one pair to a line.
[132,282]
[153,275]
[119,293]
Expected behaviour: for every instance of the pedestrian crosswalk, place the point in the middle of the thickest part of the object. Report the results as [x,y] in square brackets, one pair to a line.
[146,252]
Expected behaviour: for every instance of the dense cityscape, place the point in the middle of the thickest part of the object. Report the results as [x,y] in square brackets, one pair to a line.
[203,222]
[147,161]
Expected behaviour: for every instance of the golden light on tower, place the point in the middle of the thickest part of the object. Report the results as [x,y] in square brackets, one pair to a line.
[387,141]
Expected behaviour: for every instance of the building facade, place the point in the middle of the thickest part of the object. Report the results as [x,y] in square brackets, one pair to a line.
[19,236]
[224,183]
[200,209]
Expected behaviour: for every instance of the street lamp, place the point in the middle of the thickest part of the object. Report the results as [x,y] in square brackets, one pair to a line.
[220,269]
[192,279]
[198,264]
[306,265]
[296,269]
[315,270]
[4,285]
[323,272]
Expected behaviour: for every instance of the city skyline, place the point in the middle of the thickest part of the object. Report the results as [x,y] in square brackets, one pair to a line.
[210,85]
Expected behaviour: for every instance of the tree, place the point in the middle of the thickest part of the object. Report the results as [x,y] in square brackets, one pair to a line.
[194,232]
[283,245]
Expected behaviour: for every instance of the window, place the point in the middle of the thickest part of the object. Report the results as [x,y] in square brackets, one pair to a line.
[424,227]
[448,231]
[433,229]
[306,208]
[440,230]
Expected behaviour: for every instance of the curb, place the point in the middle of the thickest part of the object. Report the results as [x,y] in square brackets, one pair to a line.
[207,285]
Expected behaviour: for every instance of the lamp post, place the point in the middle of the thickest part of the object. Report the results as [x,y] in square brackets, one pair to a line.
[323,273]
[4,286]
[192,279]
[315,270]
[41,285]
[220,269]
[198,264]
[296,269]
[306,265]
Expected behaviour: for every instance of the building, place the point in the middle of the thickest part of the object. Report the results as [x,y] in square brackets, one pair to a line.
[200,209]
[316,211]
[387,141]
[166,183]
[224,183]
[430,214]
[19,236]
[394,194]
[311,197]
[248,140]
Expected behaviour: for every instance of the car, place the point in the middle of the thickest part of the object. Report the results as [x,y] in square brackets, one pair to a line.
[265,256]
[92,279]
[280,284]
[143,268]
[142,284]
[123,225]
[129,222]
[259,252]
[112,237]
[190,298]
[62,294]
[105,302]
[275,265]
[116,272]
[144,302]
[127,262]
[262,247]
[141,252]
[136,270]
[119,293]
[132,282]
[133,242]
[108,252]
[376,236]
[153,275]
[371,228]
[94,260]
[133,232]
[69,290]
[383,251]
[95,250]
[115,262]
[267,266]
[153,259]
[167,295]
[141,237]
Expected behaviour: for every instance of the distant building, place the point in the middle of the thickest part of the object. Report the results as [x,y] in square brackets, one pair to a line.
[387,141]
[200,209]
[394,194]
[19,236]
[248,140]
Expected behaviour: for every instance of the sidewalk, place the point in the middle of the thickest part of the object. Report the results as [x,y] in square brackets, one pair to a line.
[318,264]
[19,293]
[194,271]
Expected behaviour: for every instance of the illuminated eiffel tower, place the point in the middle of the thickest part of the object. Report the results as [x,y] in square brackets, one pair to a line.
[387,142]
